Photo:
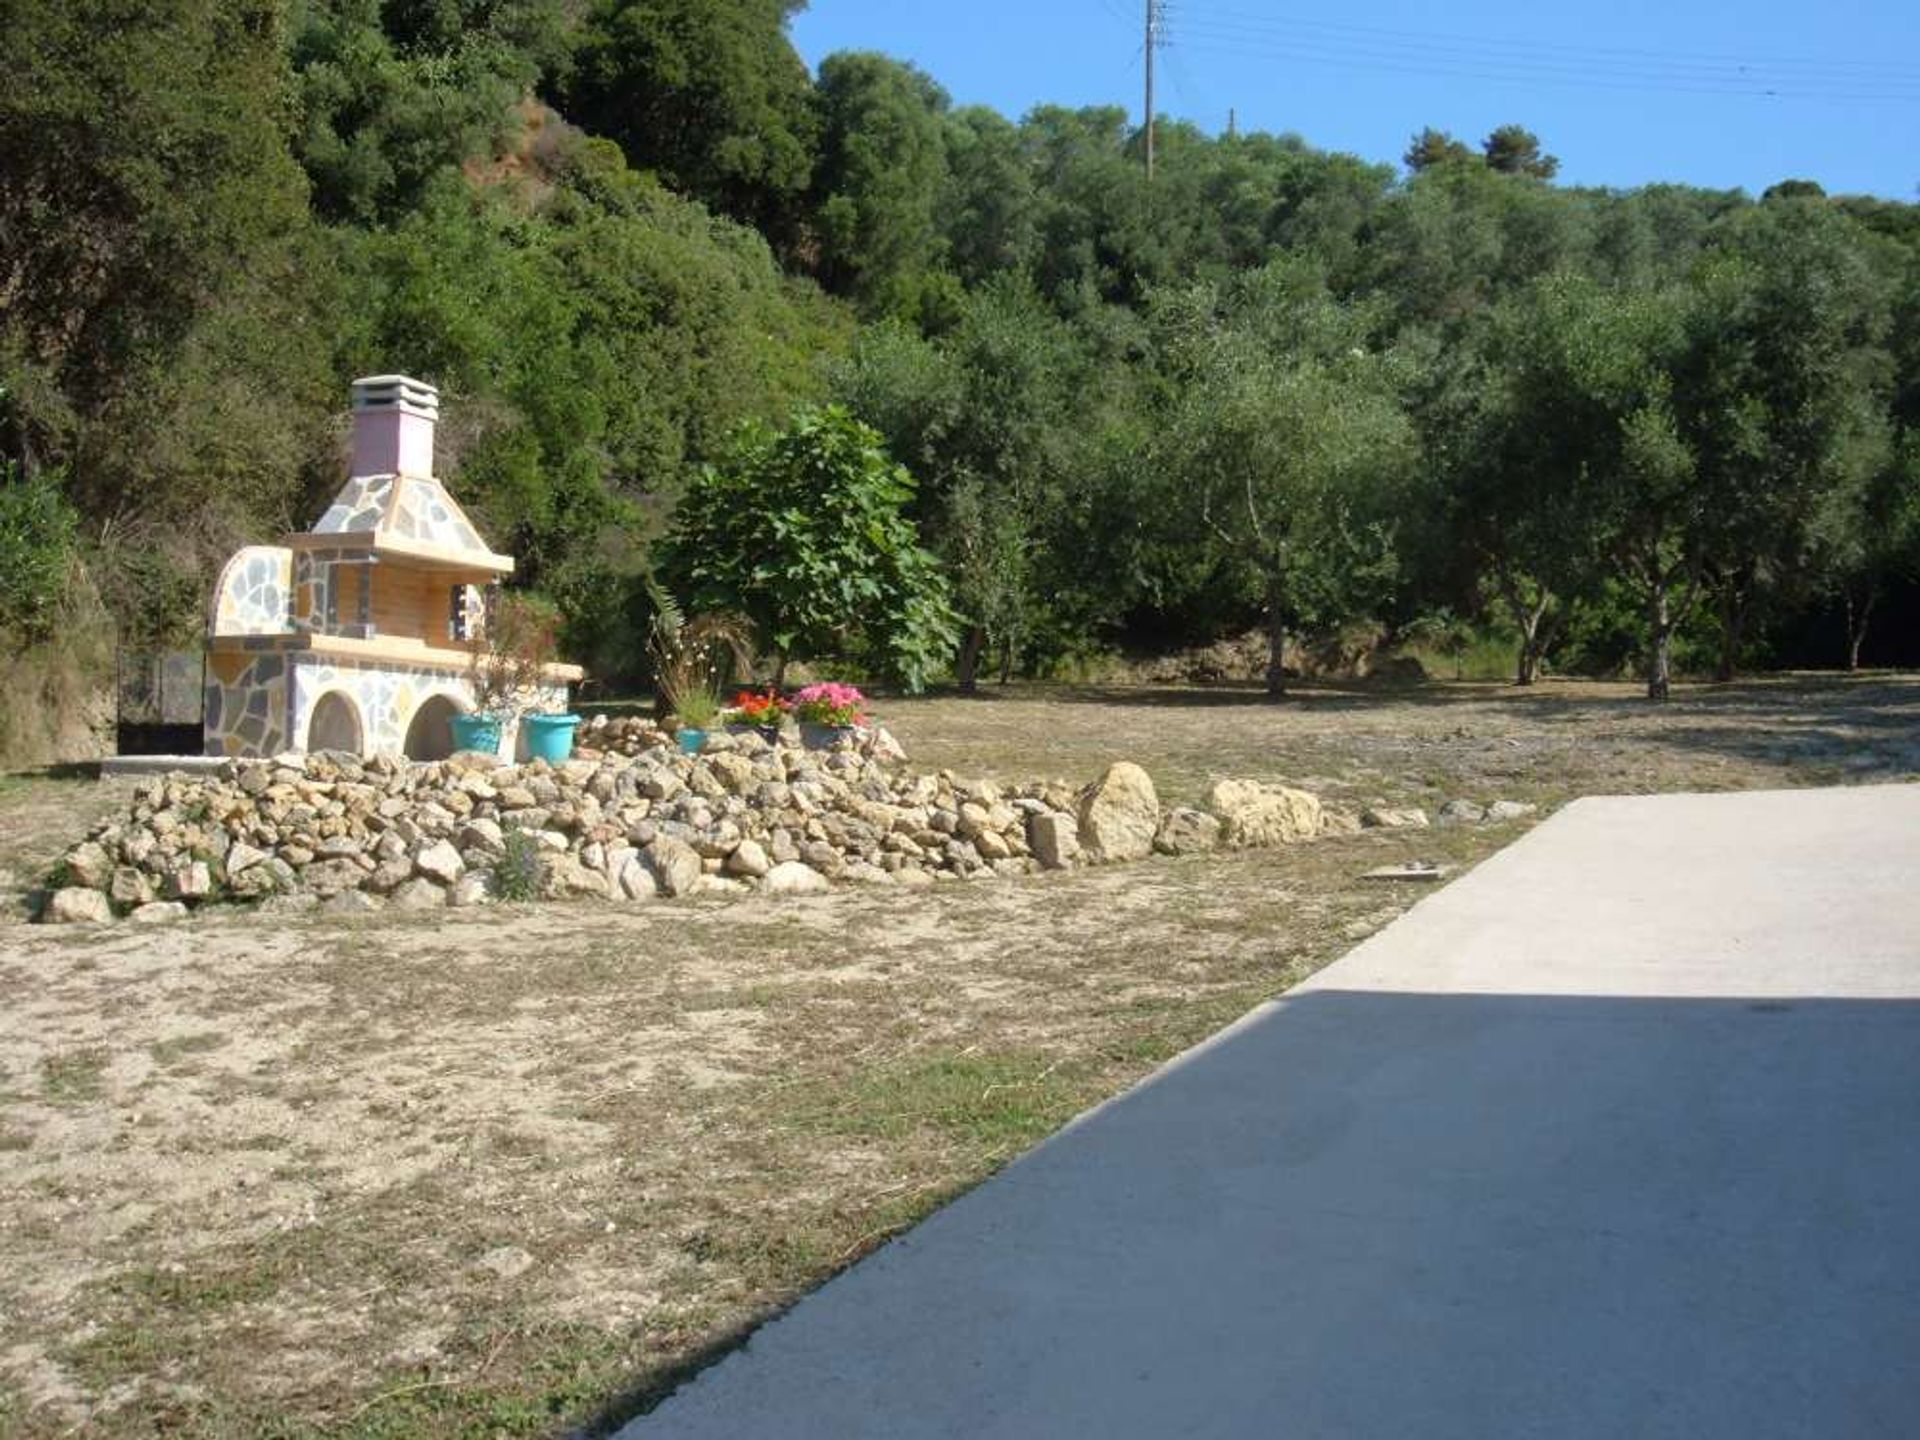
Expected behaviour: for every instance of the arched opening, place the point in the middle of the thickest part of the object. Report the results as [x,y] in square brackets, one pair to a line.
[335,724]
[430,732]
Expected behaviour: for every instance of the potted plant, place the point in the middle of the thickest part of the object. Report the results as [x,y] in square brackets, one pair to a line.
[828,712]
[764,710]
[690,655]
[506,670]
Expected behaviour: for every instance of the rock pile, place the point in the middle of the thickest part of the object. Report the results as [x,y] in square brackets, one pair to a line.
[750,812]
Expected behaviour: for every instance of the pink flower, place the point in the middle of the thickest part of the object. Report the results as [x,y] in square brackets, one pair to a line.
[830,703]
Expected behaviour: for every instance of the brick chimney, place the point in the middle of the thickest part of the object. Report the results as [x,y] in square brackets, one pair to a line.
[393,420]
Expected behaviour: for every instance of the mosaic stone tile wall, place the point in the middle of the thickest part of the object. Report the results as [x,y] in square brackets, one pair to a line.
[246,702]
[422,510]
[426,512]
[260,703]
[357,508]
[254,593]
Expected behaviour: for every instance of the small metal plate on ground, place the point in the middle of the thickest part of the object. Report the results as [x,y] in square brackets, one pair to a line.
[1412,870]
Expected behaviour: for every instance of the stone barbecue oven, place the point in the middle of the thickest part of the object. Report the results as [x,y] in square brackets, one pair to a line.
[352,636]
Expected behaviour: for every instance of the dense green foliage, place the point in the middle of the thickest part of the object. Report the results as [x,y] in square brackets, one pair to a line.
[803,530]
[632,240]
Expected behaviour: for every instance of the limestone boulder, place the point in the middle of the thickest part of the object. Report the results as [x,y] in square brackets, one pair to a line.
[1054,838]
[1119,814]
[440,863]
[1254,815]
[1394,817]
[1186,831]
[89,866]
[568,879]
[674,863]
[418,893]
[78,905]
[793,878]
[158,912]
[748,859]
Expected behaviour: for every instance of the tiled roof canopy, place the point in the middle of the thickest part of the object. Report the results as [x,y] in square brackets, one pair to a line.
[392,499]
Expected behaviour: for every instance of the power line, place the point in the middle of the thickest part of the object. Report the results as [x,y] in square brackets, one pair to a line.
[1351,56]
[1585,53]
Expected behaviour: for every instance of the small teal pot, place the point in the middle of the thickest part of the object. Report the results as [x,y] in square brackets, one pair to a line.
[690,741]
[550,737]
[476,732]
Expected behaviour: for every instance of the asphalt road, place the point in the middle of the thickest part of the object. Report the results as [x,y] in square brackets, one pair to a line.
[1619,1135]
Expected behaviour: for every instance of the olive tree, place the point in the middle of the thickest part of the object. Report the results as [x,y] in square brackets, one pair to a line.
[1285,443]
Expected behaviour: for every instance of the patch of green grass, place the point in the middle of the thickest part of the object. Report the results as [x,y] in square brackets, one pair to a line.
[73,1077]
[194,1290]
[14,1141]
[991,1099]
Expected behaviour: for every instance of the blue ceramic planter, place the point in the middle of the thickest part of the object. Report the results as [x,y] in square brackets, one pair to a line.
[550,737]
[476,732]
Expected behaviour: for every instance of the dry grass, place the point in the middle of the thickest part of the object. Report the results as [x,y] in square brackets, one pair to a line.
[502,1173]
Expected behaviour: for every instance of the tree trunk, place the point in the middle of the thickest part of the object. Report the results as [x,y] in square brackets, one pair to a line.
[1276,638]
[1857,628]
[1534,635]
[1006,662]
[1660,627]
[780,670]
[1531,621]
[966,669]
[1733,625]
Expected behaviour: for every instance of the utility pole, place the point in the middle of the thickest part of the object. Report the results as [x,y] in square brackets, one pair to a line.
[1153,43]
[1233,127]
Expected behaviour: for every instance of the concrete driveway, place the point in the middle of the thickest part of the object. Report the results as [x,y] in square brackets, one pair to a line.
[1619,1136]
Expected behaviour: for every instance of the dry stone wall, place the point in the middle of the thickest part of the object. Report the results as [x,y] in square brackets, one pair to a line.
[628,820]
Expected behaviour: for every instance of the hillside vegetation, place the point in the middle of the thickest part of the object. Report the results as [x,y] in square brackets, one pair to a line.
[1282,387]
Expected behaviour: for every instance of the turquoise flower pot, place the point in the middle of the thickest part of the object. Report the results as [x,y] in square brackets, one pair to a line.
[550,737]
[691,741]
[476,732]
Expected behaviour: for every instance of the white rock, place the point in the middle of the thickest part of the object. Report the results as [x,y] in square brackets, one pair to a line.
[473,888]
[675,864]
[418,894]
[1055,839]
[159,912]
[1502,810]
[749,859]
[89,866]
[1253,815]
[793,878]
[242,856]
[192,881]
[635,881]
[1119,814]
[78,905]
[1389,817]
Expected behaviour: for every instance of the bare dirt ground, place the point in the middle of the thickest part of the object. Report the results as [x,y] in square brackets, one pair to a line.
[512,1172]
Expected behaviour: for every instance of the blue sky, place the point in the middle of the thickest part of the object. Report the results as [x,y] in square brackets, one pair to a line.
[1718,94]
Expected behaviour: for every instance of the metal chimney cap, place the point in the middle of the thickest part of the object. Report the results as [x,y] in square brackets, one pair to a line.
[396,392]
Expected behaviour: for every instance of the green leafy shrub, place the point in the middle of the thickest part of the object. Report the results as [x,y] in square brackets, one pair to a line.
[37,540]
[522,870]
[804,530]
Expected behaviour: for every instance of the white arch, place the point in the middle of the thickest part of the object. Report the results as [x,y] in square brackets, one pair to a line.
[335,724]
